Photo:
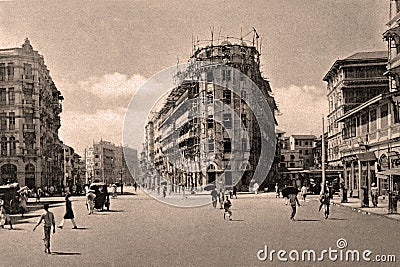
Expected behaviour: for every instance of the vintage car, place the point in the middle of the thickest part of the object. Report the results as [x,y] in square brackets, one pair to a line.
[102,199]
[9,195]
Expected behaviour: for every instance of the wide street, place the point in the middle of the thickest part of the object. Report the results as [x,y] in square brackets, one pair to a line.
[139,231]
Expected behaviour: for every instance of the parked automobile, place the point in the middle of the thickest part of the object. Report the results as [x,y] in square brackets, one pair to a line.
[10,196]
[102,199]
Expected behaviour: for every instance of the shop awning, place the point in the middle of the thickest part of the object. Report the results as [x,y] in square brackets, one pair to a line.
[367,156]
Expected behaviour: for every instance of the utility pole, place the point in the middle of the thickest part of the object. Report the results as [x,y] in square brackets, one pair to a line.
[323,158]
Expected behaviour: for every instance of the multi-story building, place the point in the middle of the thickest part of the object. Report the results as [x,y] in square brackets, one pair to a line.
[371,147]
[206,161]
[392,36]
[31,152]
[351,82]
[109,163]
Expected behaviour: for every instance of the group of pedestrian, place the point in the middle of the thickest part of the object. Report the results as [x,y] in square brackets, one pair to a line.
[294,202]
[224,201]
[47,217]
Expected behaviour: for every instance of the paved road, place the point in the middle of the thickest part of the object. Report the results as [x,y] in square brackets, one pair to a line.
[139,231]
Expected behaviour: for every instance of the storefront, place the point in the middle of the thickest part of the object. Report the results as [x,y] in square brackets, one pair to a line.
[359,173]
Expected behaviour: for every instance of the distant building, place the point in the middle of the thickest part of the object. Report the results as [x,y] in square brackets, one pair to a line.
[297,152]
[31,152]
[106,162]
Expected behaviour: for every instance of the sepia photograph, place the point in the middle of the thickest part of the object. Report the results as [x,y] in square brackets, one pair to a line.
[200,133]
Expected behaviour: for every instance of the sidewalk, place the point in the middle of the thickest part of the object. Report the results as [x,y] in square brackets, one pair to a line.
[355,205]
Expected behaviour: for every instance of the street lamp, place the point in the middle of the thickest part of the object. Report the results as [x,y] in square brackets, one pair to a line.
[122,185]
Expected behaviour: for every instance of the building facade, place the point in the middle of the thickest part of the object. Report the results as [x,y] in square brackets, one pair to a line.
[371,149]
[207,160]
[351,82]
[31,152]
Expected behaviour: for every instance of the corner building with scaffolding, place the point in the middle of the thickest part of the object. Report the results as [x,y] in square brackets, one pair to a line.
[219,136]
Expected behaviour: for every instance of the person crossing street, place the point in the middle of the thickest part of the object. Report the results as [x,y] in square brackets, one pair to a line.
[48,218]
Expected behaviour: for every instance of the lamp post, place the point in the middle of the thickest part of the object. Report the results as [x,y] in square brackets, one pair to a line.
[122,185]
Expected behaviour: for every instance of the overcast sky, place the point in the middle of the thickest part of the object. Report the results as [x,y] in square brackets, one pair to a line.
[99,52]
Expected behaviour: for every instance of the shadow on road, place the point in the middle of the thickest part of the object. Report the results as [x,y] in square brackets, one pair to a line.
[308,220]
[337,219]
[113,211]
[65,253]
[236,220]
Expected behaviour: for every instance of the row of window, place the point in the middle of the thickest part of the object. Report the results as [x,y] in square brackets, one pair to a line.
[3,96]
[4,144]
[7,72]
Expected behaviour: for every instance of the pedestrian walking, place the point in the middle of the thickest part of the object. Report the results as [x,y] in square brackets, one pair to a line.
[293,202]
[221,197]
[38,194]
[90,196]
[23,200]
[227,208]
[4,216]
[325,202]
[276,190]
[374,194]
[303,191]
[164,191]
[255,188]
[135,186]
[69,213]
[214,197]
[48,218]
[235,191]
[114,195]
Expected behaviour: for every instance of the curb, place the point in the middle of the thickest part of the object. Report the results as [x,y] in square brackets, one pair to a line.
[359,210]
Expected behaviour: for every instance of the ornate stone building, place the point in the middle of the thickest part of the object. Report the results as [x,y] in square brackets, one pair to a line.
[31,152]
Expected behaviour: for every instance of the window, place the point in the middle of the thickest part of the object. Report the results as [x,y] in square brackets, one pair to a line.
[384,116]
[3,121]
[244,145]
[28,94]
[4,146]
[227,120]
[227,145]
[28,71]
[2,72]
[292,157]
[373,119]
[3,97]
[226,95]
[210,145]
[29,118]
[10,71]
[11,117]
[244,119]
[210,122]
[11,96]
[306,152]
[292,164]
[13,146]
